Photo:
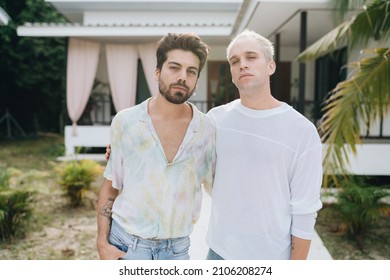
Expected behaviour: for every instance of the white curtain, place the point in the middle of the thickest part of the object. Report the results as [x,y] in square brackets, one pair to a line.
[82,64]
[147,53]
[122,74]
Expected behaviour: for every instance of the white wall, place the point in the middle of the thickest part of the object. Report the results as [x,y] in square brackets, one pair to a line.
[370,159]
[290,54]
[217,53]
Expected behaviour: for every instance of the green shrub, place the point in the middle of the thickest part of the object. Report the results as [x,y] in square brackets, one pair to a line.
[15,208]
[4,179]
[56,150]
[359,206]
[76,178]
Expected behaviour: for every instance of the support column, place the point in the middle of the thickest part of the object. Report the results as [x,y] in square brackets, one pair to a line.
[302,66]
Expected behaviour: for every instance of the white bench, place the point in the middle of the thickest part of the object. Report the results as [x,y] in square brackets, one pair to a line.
[87,136]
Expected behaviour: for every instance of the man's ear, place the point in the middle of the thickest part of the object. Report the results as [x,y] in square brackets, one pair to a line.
[156,74]
[271,67]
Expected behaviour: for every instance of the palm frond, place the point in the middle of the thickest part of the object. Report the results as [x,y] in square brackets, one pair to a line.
[373,22]
[353,102]
[343,6]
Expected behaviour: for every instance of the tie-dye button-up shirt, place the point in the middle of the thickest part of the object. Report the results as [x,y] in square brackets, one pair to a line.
[158,199]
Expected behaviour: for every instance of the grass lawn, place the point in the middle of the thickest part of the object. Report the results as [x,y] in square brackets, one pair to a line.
[56,231]
[35,153]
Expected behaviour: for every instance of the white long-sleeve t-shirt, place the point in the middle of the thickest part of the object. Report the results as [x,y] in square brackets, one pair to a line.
[267,181]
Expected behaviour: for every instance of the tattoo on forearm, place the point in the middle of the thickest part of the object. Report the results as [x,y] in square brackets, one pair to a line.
[292,245]
[106,209]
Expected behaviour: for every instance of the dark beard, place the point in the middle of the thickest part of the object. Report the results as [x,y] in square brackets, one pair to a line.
[175,97]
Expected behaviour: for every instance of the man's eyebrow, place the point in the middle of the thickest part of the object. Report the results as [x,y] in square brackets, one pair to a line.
[193,68]
[246,53]
[232,57]
[175,63]
[250,52]
[178,64]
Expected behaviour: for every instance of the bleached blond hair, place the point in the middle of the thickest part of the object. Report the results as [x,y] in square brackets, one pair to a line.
[265,44]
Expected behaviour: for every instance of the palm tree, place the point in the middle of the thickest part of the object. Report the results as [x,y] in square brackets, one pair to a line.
[365,95]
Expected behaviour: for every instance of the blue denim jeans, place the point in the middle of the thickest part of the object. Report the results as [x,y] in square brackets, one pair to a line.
[137,248]
[213,256]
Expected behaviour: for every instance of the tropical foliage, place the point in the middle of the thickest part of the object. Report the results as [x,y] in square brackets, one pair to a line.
[359,206]
[15,208]
[32,69]
[76,177]
[356,102]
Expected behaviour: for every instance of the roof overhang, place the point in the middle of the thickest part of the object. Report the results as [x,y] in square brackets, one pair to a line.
[74,10]
[65,30]
[132,33]
[135,20]
[4,17]
[216,21]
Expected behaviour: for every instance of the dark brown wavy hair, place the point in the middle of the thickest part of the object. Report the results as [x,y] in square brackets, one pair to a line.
[183,41]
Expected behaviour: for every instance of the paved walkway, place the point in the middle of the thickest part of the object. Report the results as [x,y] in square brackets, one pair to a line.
[199,248]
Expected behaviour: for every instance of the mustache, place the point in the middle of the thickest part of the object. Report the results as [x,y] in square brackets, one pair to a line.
[181,85]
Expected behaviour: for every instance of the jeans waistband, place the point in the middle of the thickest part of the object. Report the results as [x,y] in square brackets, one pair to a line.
[127,235]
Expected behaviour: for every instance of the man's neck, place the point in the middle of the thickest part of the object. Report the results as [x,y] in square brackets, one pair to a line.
[159,106]
[259,101]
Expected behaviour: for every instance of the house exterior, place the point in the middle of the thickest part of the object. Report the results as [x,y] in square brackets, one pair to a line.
[99,30]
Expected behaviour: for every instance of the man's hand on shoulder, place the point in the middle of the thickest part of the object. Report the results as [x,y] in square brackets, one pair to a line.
[108,151]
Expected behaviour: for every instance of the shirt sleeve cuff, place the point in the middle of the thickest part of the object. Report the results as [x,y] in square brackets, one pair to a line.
[303,225]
